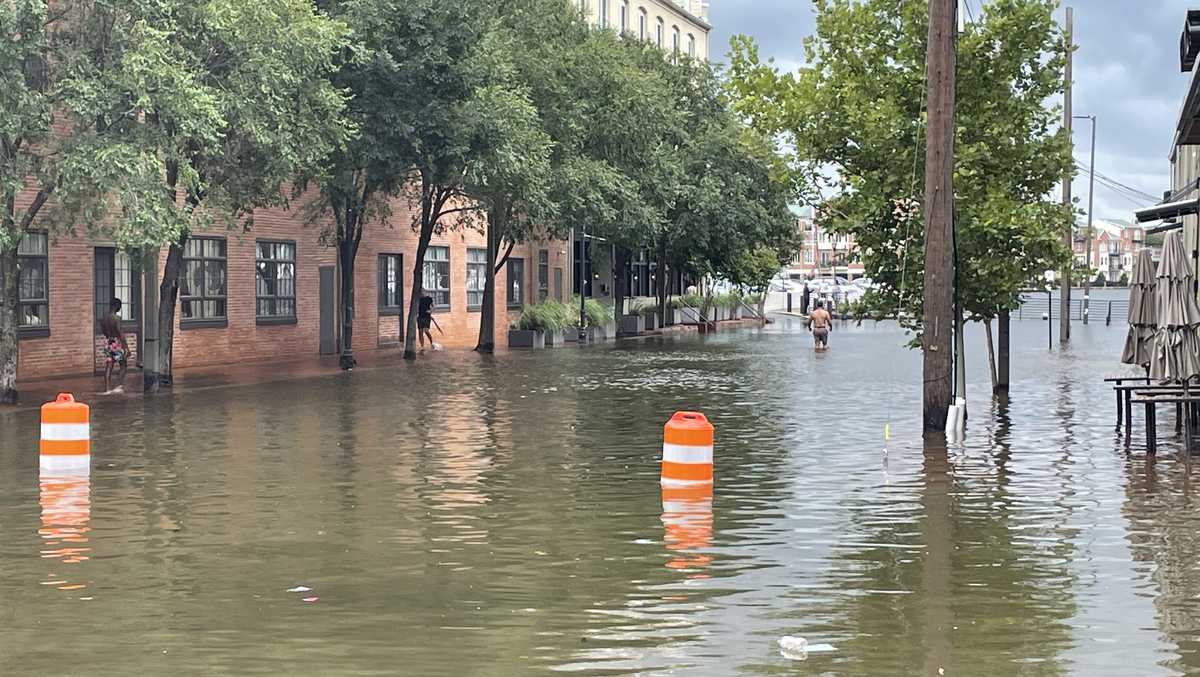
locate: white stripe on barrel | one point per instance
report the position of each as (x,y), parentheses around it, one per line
(678,453)
(66,432)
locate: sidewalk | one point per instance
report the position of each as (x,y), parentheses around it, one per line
(90,388)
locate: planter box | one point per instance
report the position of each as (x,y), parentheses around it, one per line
(526,338)
(557,339)
(651,321)
(631,325)
(687,316)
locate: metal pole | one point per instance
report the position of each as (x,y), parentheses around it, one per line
(583,280)
(1064,334)
(1049,319)
(1087,282)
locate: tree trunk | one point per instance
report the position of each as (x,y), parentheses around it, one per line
(487,314)
(151,373)
(938,311)
(991,355)
(661,283)
(619,263)
(1002,378)
(418,280)
(10,319)
(168,295)
(346,256)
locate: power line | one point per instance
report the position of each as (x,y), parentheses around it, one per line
(1115,183)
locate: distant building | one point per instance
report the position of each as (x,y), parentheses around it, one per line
(1115,243)
(823,253)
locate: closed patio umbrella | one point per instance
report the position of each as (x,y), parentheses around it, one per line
(1143,322)
(1176,351)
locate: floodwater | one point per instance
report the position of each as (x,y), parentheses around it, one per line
(502,516)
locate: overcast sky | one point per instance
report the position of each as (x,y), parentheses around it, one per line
(1126,74)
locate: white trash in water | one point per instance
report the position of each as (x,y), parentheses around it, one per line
(798,648)
(299,588)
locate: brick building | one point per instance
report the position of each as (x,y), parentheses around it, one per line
(268,293)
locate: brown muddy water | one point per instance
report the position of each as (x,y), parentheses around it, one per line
(502,516)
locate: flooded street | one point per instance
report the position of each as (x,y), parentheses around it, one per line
(502,516)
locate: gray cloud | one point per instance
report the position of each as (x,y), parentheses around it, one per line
(1126,74)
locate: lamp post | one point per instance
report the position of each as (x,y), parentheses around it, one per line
(1087,247)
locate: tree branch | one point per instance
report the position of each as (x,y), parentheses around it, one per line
(39,201)
(504,259)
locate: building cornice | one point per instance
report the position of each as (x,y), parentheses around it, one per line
(683,13)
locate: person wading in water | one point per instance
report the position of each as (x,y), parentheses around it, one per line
(116,349)
(820,323)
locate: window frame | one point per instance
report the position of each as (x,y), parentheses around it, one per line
(381,305)
(33,330)
(266,320)
(660,30)
(205,322)
(691,45)
(482,280)
(543,274)
(437,307)
(101,301)
(623,17)
(676,41)
(602,13)
(518,279)
(643,24)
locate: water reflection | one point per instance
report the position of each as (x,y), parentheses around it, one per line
(504,516)
(65,500)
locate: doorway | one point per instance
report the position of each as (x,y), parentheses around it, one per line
(328,341)
(114,276)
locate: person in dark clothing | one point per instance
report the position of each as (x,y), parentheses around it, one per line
(424,320)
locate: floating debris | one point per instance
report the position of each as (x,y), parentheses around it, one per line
(299,588)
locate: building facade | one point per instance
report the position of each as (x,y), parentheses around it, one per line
(269,293)
(675,26)
(823,253)
(1114,246)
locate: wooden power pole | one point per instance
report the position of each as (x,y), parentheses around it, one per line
(1064,311)
(938,310)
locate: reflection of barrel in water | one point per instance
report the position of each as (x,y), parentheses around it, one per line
(687,523)
(66,513)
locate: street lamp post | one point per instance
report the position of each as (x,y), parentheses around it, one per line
(1087,247)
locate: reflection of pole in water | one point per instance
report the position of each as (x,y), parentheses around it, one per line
(687,523)
(936,534)
(66,514)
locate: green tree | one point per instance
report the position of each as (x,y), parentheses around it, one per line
(755,270)
(857,109)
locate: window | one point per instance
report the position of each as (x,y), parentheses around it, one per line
(543,274)
(202,288)
(623,16)
(558,284)
(642,25)
(658,32)
(33,289)
(602,15)
(808,255)
(275,280)
(391,289)
(675,40)
(116,278)
(516,282)
(691,45)
(476,277)
(435,276)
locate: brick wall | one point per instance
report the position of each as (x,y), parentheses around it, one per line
(70,348)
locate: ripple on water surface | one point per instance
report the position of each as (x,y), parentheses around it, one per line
(502,516)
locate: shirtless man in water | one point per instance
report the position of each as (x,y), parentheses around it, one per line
(116,349)
(820,324)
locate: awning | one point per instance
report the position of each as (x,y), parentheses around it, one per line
(1164,227)
(1167,210)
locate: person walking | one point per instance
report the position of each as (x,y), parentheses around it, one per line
(820,323)
(116,348)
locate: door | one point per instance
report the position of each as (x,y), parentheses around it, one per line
(328,342)
(114,276)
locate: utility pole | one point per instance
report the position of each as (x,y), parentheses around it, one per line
(1064,315)
(938,307)
(1087,247)
(151,369)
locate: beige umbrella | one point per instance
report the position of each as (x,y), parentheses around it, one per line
(1175,355)
(1143,323)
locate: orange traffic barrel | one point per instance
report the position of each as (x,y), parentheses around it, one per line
(687,450)
(66,444)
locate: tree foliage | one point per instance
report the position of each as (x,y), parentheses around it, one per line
(854,116)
